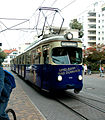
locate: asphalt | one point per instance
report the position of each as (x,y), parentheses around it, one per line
(22,105)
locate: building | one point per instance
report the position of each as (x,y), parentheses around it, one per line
(101,26)
(10,55)
(93,21)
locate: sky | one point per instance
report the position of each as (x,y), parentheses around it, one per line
(27,9)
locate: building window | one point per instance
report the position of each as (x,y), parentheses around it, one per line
(102,38)
(99,21)
(11,56)
(102,32)
(103,9)
(98,26)
(102,26)
(99,38)
(102,21)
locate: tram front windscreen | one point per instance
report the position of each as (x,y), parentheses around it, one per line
(67,55)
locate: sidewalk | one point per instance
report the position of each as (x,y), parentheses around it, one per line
(23,107)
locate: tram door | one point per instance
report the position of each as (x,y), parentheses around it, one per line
(45,66)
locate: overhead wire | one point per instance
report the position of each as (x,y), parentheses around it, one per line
(11,28)
(12,19)
(6,39)
(85,9)
(14,25)
(26,20)
(64,6)
(68,4)
(3,24)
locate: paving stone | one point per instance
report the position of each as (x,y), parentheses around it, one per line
(22,106)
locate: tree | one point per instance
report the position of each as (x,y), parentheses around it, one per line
(76,25)
(94,57)
(2,56)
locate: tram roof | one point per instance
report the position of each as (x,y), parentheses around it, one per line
(49,39)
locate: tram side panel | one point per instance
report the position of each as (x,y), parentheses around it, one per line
(33,73)
(40,75)
(46,82)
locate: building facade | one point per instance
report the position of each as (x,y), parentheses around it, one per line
(93,21)
(101,26)
(10,55)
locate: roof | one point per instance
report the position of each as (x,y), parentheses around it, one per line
(9,51)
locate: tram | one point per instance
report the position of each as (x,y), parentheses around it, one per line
(52,63)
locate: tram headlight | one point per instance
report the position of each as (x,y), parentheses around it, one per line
(80,77)
(68,36)
(59,78)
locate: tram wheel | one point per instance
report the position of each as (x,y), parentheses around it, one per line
(76,91)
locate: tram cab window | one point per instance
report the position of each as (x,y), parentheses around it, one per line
(67,55)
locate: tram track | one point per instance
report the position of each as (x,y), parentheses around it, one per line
(91,99)
(80,105)
(71,109)
(87,103)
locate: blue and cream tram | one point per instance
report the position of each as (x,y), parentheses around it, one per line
(53,63)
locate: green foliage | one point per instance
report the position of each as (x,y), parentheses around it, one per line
(95,66)
(2,56)
(93,58)
(76,25)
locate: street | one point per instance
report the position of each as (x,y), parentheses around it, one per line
(94,84)
(52,110)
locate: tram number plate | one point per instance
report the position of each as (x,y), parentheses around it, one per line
(69,44)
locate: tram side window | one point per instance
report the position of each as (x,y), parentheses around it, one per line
(13,62)
(17,61)
(37,58)
(20,60)
(33,56)
(46,56)
(23,59)
(28,58)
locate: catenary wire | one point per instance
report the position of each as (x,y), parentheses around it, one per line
(13,19)
(14,25)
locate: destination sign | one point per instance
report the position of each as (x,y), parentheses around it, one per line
(69,44)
